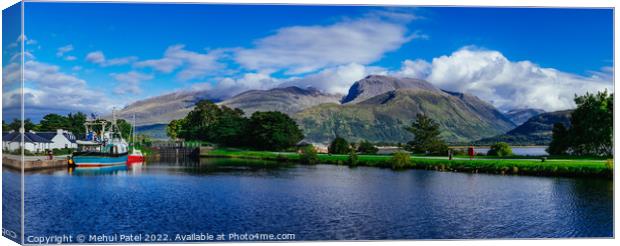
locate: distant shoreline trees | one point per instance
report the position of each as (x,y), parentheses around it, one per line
(591,130)
(229,127)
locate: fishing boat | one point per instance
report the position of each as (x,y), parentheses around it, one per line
(103,145)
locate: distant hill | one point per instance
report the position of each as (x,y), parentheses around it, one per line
(155,131)
(288,100)
(162,109)
(377,109)
(535,131)
(382,118)
(374,85)
(520,116)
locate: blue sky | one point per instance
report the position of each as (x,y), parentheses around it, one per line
(119,53)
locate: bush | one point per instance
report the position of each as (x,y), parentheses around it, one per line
(63,151)
(352,160)
(339,146)
(368,148)
(400,160)
(500,149)
(309,155)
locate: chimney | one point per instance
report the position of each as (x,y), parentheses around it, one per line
(59,131)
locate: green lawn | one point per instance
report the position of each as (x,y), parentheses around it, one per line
(551,167)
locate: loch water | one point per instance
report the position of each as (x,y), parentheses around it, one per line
(314,202)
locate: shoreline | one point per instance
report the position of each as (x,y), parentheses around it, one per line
(529,167)
(14,162)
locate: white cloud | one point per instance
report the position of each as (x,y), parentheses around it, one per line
(302,49)
(47,89)
(95,57)
(64,49)
(508,84)
(335,80)
(193,65)
(418,69)
(130,82)
(70,58)
(227,87)
(99,58)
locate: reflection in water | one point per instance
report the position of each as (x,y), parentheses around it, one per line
(320,202)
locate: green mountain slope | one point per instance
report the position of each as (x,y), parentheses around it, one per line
(382,118)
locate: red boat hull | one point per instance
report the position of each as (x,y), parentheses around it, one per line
(135,158)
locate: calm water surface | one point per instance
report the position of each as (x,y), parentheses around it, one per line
(322,202)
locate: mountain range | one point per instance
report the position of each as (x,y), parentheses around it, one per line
(520,116)
(380,113)
(288,100)
(537,130)
(376,108)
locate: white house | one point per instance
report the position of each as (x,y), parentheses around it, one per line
(11,141)
(60,139)
(38,142)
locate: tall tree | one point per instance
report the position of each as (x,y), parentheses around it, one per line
(273,131)
(592,124)
(560,141)
(426,136)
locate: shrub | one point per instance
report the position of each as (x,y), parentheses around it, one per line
(400,160)
(309,155)
(339,146)
(63,151)
(609,164)
(366,147)
(500,149)
(352,160)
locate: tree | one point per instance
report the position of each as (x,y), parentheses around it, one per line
(76,123)
(16,124)
(339,146)
(426,136)
(229,128)
(51,122)
(368,148)
(124,127)
(591,131)
(560,140)
(200,120)
(174,128)
(5,126)
(500,149)
(592,125)
(272,131)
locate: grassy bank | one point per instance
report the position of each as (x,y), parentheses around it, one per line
(552,167)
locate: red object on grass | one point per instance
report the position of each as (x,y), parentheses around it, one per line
(471,152)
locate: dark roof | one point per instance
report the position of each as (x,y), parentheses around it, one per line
(47,135)
(51,135)
(70,136)
(29,137)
